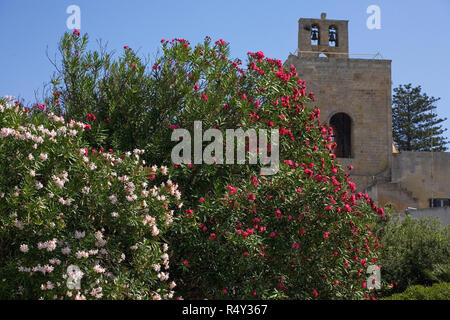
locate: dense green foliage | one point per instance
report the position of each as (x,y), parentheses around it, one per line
(415,252)
(438,291)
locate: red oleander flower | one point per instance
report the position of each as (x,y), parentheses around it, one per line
(259,55)
(220,42)
(380,211)
(278,214)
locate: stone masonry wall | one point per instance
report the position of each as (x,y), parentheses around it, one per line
(425,174)
(361,88)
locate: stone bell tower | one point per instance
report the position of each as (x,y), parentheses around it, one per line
(354,96)
(329,37)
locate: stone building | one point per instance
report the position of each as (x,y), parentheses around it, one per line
(354,96)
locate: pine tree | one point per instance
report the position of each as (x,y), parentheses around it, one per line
(415,125)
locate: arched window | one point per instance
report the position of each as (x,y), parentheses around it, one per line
(342,132)
(332,37)
(315,35)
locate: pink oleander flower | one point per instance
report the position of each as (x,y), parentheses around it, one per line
(79,234)
(99,269)
(155,230)
(113,199)
(82,254)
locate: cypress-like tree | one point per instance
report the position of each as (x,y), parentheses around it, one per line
(415,125)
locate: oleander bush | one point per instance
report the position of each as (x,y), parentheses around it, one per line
(304,233)
(71,211)
(438,291)
(75,222)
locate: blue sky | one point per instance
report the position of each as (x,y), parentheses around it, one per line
(414,34)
